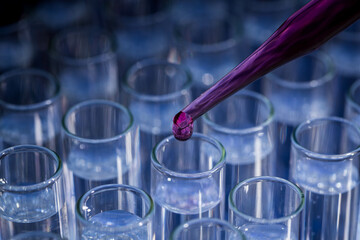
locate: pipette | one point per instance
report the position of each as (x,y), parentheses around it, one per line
(302,32)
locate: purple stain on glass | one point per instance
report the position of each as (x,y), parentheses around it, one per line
(302,32)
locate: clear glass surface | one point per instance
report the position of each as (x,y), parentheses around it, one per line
(142,29)
(209,46)
(299,90)
(84,61)
(154,91)
(47,18)
(55,15)
(16,49)
(187,9)
(187,182)
(32,193)
(352,113)
(30,109)
(325,164)
(352,104)
(244,124)
(37,236)
(101,145)
(262,17)
(266,208)
(207,229)
(344,49)
(115,212)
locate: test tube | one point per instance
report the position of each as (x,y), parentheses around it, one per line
(207,229)
(101,145)
(344,49)
(47,18)
(187,182)
(244,124)
(352,113)
(325,156)
(32,193)
(16,49)
(299,90)
(267,207)
(84,60)
(261,18)
(30,109)
(154,90)
(352,104)
(54,15)
(142,29)
(209,46)
(115,211)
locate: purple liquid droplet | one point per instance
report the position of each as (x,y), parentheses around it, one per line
(182,126)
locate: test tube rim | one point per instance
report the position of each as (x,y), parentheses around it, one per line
(321,156)
(351,93)
(294,214)
(37,186)
(185,89)
(269,120)
(108,55)
(313,83)
(217,221)
(109,187)
(225,45)
(35,106)
(189,176)
(125,131)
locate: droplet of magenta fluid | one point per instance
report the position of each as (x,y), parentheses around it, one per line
(182,126)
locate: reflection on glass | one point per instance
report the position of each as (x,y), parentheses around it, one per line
(154,91)
(187,181)
(325,164)
(30,109)
(84,60)
(244,124)
(33,192)
(115,211)
(267,208)
(299,90)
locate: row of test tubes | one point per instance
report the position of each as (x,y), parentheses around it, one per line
(88,90)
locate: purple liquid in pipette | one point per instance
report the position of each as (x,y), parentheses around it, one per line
(302,32)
